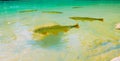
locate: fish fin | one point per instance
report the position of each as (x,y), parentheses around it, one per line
(55,33)
(66,30)
(83,20)
(117,28)
(102,20)
(48,25)
(77,25)
(38,36)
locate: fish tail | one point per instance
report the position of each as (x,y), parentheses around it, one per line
(77,25)
(101,19)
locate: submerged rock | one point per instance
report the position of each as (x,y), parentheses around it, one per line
(117,26)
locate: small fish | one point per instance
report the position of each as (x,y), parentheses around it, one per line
(75,7)
(54,29)
(52,12)
(27,11)
(86,18)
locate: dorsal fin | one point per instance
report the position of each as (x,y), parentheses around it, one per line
(45,25)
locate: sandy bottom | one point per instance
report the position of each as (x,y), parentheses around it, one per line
(93,41)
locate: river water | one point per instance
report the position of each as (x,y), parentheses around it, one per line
(93,41)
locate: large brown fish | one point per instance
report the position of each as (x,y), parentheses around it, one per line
(54,29)
(40,32)
(86,19)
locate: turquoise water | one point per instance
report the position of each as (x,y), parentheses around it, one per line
(93,41)
(13,6)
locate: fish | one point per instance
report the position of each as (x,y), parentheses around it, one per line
(75,7)
(27,11)
(55,29)
(86,19)
(52,12)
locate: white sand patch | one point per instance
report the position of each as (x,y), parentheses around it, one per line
(117,26)
(116,59)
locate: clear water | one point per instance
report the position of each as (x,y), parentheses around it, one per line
(93,41)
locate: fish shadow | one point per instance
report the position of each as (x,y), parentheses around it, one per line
(51,41)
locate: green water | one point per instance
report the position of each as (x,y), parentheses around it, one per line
(93,41)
